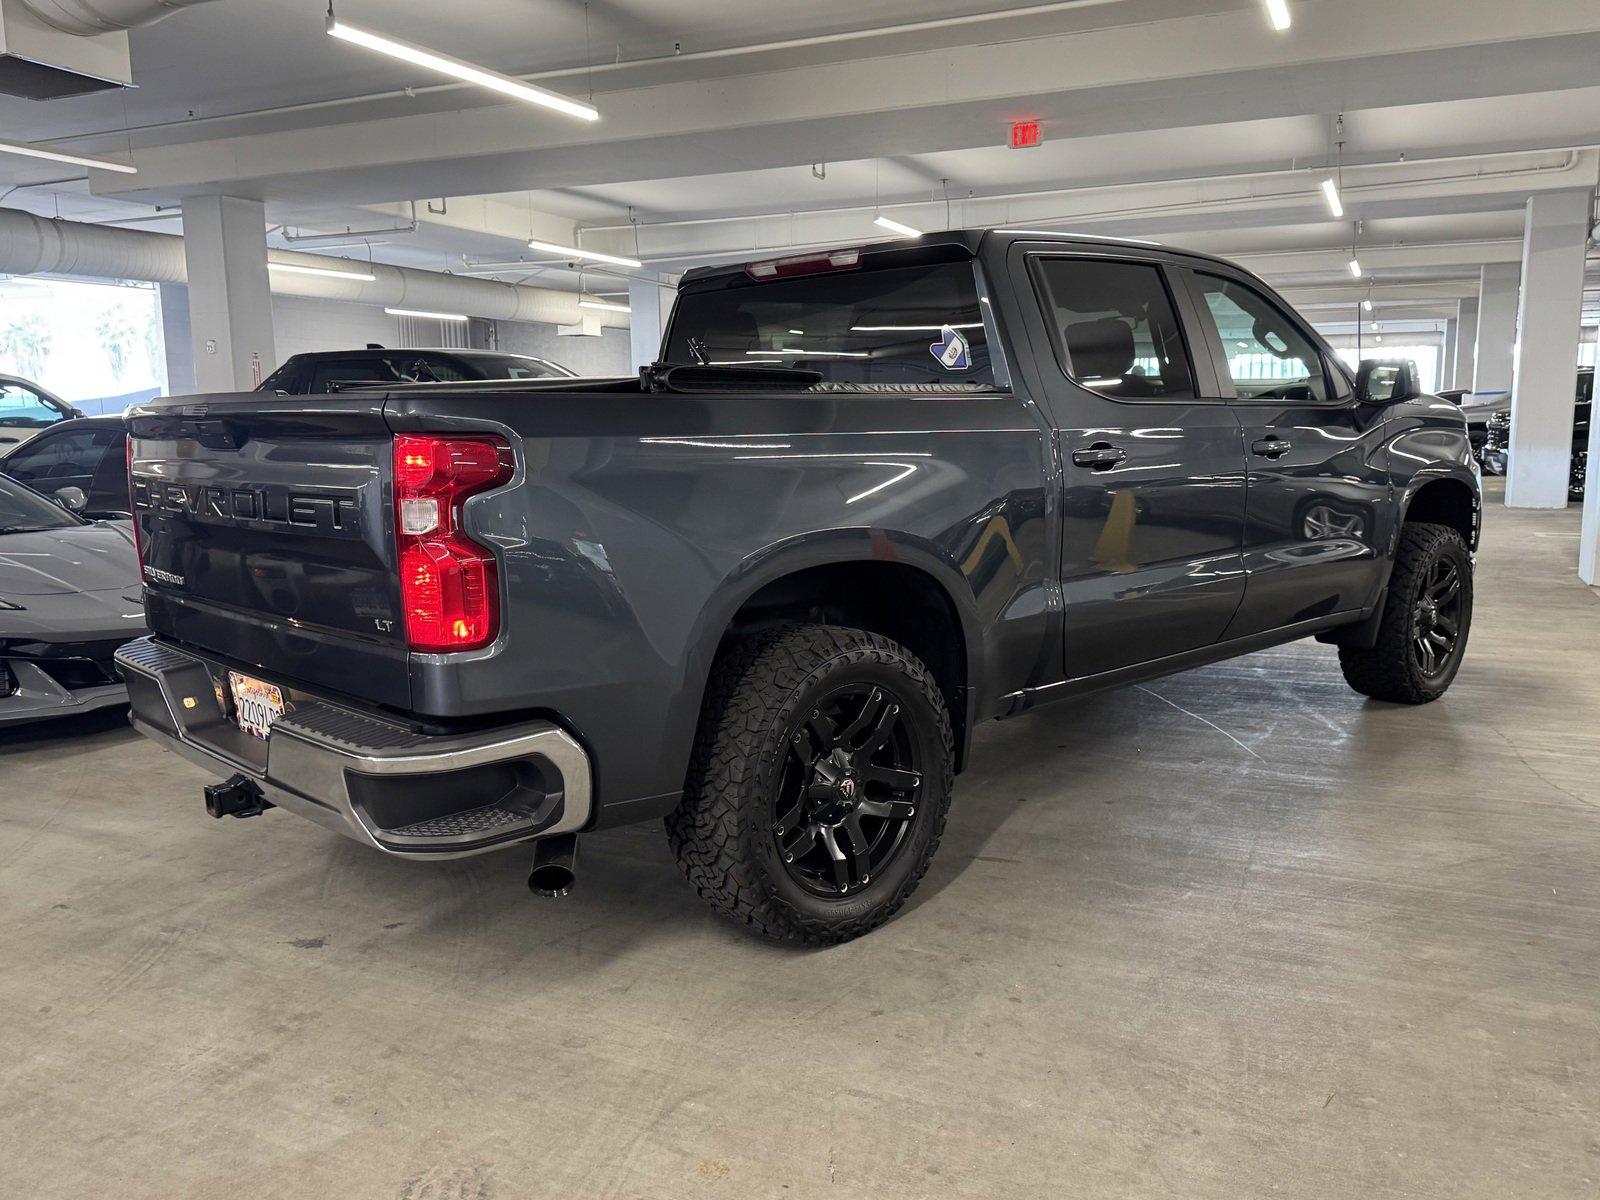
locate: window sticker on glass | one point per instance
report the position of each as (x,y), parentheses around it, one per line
(951,349)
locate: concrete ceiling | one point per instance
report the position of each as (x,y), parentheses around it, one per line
(731,131)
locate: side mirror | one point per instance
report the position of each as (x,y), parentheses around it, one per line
(1386,381)
(72,499)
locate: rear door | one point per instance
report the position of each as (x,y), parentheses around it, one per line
(1152,489)
(1317,462)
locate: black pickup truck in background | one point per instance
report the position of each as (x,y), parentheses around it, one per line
(869,498)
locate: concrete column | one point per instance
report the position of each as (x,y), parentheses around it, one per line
(1554,239)
(652,306)
(230,298)
(1447,358)
(1497,329)
(176,342)
(1467,345)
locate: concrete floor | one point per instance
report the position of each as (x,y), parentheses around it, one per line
(1236,934)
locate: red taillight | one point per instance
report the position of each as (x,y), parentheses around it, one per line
(138,535)
(448,584)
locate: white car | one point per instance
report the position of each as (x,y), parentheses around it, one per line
(26,408)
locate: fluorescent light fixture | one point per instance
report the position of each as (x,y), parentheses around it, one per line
(604,306)
(1278,13)
(1367,305)
(330,272)
(798,332)
(591,255)
(1355,267)
(1330,192)
(456,69)
(75,160)
(425,316)
(894,226)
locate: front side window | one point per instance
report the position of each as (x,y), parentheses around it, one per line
(1268,357)
(908,325)
(24,408)
(1118,334)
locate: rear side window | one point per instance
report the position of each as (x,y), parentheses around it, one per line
(908,325)
(1115,327)
(1268,356)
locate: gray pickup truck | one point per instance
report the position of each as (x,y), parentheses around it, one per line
(868,498)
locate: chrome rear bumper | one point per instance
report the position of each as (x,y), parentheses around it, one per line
(409,794)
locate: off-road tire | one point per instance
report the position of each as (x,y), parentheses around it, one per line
(760,689)
(1389,670)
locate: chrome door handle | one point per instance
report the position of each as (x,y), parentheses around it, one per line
(1270,447)
(1101,456)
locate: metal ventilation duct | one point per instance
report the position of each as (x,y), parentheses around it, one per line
(30,244)
(55,48)
(86,18)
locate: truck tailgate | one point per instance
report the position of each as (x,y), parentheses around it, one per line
(267,537)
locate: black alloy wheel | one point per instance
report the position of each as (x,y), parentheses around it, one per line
(1437,633)
(848,791)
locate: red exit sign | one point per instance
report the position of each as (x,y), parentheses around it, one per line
(1024,134)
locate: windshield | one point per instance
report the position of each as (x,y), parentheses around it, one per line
(24,511)
(908,325)
(515,366)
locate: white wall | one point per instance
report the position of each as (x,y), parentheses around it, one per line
(300,326)
(608,354)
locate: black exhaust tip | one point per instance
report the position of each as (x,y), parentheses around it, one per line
(553,872)
(238,797)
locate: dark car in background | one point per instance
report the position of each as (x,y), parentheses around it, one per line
(69,597)
(336,370)
(1498,440)
(87,454)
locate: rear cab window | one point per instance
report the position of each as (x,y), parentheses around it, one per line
(908,325)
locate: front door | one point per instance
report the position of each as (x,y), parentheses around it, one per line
(1316,460)
(1152,478)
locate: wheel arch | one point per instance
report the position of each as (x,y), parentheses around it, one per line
(892,584)
(1445,500)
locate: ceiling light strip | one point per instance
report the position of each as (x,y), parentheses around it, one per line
(330,272)
(423,315)
(604,306)
(894,226)
(75,160)
(590,255)
(457,69)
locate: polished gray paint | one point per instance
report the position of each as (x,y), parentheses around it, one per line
(638,524)
(64,588)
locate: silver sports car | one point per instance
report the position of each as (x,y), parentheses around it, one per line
(69,596)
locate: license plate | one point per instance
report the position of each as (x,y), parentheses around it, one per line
(256,705)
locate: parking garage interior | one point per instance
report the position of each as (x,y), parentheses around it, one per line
(1235,931)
